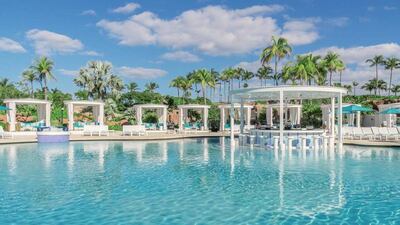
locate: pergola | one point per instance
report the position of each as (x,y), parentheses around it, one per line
(183,112)
(242,108)
(292,112)
(286,93)
(98,111)
(43,109)
(160,109)
(390,119)
(327,121)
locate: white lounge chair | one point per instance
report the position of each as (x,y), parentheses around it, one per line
(393,132)
(133,130)
(367,133)
(95,130)
(103,130)
(348,132)
(357,132)
(4,134)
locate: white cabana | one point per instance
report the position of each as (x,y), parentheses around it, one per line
(286,93)
(388,120)
(292,113)
(326,112)
(43,110)
(183,113)
(245,111)
(98,111)
(160,109)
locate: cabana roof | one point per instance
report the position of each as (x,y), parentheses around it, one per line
(150,106)
(26,101)
(83,102)
(193,106)
(289,92)
(285,106)
(235,105)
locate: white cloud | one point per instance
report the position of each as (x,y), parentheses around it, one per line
(47,42)
(250,66)
(128,8)
(69,72)
(213,30)
(92,53)
(140,72)
(388,8)
(89,12)
(8,45)
(182,56)
(358,54)
(338,21)
(300,32)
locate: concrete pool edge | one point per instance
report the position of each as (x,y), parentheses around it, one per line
(116,137)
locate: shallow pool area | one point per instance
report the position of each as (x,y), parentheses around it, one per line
(196,181)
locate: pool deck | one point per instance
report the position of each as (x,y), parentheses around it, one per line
(117,136)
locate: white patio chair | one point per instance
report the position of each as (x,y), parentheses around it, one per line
(394,133)
(103,130)
(367,133)
(128,130)
(4,134)
(357,132)
(139,130)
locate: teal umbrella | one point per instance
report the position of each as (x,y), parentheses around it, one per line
(4,108)
(355,108)
(391,111)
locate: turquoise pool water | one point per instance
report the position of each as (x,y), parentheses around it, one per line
(199,181)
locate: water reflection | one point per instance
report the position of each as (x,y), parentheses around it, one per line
(98,148)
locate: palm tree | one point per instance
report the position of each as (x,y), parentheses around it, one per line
(341,67)
(29,76)
(279,49)
(332,63)
(381,85)
(98,80)
(263,73)
(151,87)
(369,86)
(355,84)
(43,70)
(238,74)
(376,61)
(206,79)
(246,76)
(132,87)
(396,89)
(307,69)
(288,73)
(186,86)
(224,77)
(177,83)
(391,64)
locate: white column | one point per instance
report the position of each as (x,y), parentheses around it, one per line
(48,114)
(180,119)
(332,122)
(281,119)
(269,113)
(248,117)
(139,115)
(11,114)
(340,122)
(298,115)
(358,119)
(241,116)
(165,109)
(222,117)
(232,122)
(101,114)
(205,119)
(70,111)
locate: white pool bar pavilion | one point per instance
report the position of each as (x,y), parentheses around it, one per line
(281,138)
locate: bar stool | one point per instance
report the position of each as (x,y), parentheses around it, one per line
(289,143)
(325,140)
(316,140)
(276,142)
(303,143)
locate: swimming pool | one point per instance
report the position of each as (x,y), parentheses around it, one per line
(195,181)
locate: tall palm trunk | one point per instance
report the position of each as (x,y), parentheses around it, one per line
(330,78)
(220,91)
(340,78)
(178,94)
(376,71)
(276,72)
(390,80)
(45,88)
(31,89)
(204,93)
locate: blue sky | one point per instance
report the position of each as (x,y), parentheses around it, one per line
(158,40)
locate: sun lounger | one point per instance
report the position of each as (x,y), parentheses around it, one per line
(4,134)
(133,130)
(103,130)
(95,130)
(393,132)
(348,132)
(367,133)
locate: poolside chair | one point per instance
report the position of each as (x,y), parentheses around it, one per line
(367,133)
(103,130)
(393,132)
(348,132)
(133,130)
(377,133)
(4,134)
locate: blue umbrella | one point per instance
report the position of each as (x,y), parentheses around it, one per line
(4,108)
(355,108)
(391,111)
